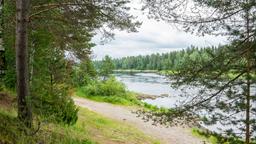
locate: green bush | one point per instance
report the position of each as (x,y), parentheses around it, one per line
(109,87)
(56,106)
(111,91)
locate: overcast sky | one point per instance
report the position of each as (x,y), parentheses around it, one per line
(153,37)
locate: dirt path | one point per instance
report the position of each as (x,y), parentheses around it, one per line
(172,135)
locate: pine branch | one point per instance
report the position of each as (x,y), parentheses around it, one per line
(215,94)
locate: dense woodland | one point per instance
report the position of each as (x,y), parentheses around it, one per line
(165,61)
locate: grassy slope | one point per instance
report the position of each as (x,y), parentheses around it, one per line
(91,128)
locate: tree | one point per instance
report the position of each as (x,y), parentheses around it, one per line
(50,29)
(234,19)
(107,67)
(22,12)
(68,30)
(84,72)
(165,61)
(2,59)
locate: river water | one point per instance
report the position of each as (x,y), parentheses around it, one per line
(154,84)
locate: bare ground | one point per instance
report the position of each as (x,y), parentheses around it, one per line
(171,135)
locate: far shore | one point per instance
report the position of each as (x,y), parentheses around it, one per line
(135,71)
(160,72)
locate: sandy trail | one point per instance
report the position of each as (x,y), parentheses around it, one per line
(171,135)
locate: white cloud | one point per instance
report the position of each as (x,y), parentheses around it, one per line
(153,37)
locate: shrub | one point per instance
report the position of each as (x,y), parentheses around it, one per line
(56,106)
(110,90)
(109,87)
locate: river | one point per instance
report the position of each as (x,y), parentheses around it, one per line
(154,84)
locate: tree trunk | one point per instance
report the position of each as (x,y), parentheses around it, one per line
(24,112)
(1,16)
(247,120)
(2,62)
(1,23)
(248,82)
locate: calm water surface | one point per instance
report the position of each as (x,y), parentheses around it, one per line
(154,84)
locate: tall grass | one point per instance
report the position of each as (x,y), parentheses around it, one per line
(10,132)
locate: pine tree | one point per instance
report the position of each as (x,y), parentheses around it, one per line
(106,68)
(22,12)
(53,28)
(235,19)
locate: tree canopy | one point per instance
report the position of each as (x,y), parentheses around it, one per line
(54,31)
(166,61)
(236,20)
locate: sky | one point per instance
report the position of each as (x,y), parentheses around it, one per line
(152,37)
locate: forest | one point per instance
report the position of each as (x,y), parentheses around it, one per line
(166,61)
(52,91)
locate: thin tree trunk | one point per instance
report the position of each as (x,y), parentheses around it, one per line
(24,112)
(31,62)
(1,24)
(248,82)
(248,98)
(247,134)
(2,58)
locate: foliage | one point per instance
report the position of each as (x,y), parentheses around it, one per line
(56,107)
(8,44)
(165,61)
(49,82)
(212,17)
(106,88)
(106,68)
(218,100)
(215,138)
(227,102)
(110,91)
(83,73)
(55,30)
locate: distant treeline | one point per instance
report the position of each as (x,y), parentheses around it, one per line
(167,61)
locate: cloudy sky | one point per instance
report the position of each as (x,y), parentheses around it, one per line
(153,37)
